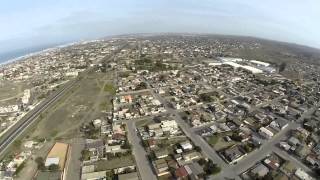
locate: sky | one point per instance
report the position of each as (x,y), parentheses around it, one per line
(25,23)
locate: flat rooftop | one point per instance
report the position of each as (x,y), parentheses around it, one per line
(59,150)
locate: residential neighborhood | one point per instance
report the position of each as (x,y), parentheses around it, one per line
(171,107)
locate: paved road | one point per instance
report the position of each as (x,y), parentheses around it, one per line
(232,171)
(14,132)
(140,154)
(73,166)
(267,148)
(11,135)
(196,139)
(296,162)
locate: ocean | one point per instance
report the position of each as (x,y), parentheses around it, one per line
(7,57)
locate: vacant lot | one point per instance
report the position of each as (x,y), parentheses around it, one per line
(122,161)
(85,102)
(218,142)
(11,91)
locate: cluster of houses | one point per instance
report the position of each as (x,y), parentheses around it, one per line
(276,167)
(11,166)
(303,145)
(165,128)
(130,82)
(177,159)
(110,143)
(204,114)
(8,170)
(134,106)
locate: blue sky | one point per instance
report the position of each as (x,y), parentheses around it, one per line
(25,24)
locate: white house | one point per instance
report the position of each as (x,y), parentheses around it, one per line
(265,132)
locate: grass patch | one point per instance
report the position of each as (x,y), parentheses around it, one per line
(104,105)
(109,88)
(115,163)
(143,122)
(212,140)
(19,169)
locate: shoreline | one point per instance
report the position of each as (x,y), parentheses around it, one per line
(19,58)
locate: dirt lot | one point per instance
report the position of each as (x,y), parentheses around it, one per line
(11,91)
(115,162)
(86,101)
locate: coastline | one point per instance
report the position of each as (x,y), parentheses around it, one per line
(36,52)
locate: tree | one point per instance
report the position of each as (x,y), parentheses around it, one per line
(40,163)
(297,116)
(85,154)
(211,168)
(317,171)
(162,77)
(142,85)
(202,161)
(247,148)
(268,176)
(53,167)
(282,66)
(205,97)
(197,148)
(126,145)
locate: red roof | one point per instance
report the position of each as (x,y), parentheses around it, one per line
(151,142)
(118,136)
(181,172)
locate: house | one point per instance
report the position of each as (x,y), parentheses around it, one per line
(191,156)
(285,145)
(243,136)
(177,157)
(233,154)
(161,167)
(113,149)
(94,175)
(169,126)
(151,143)
(196,170)
(278,124)
(119,137)
(302,175)
(272,163)
(181,173)
(237,122)
(162,153)
(265,132)
(158,132)
(186,146)
(117,128)
(29,144)
(293,141)
(259,170)
(313,160)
